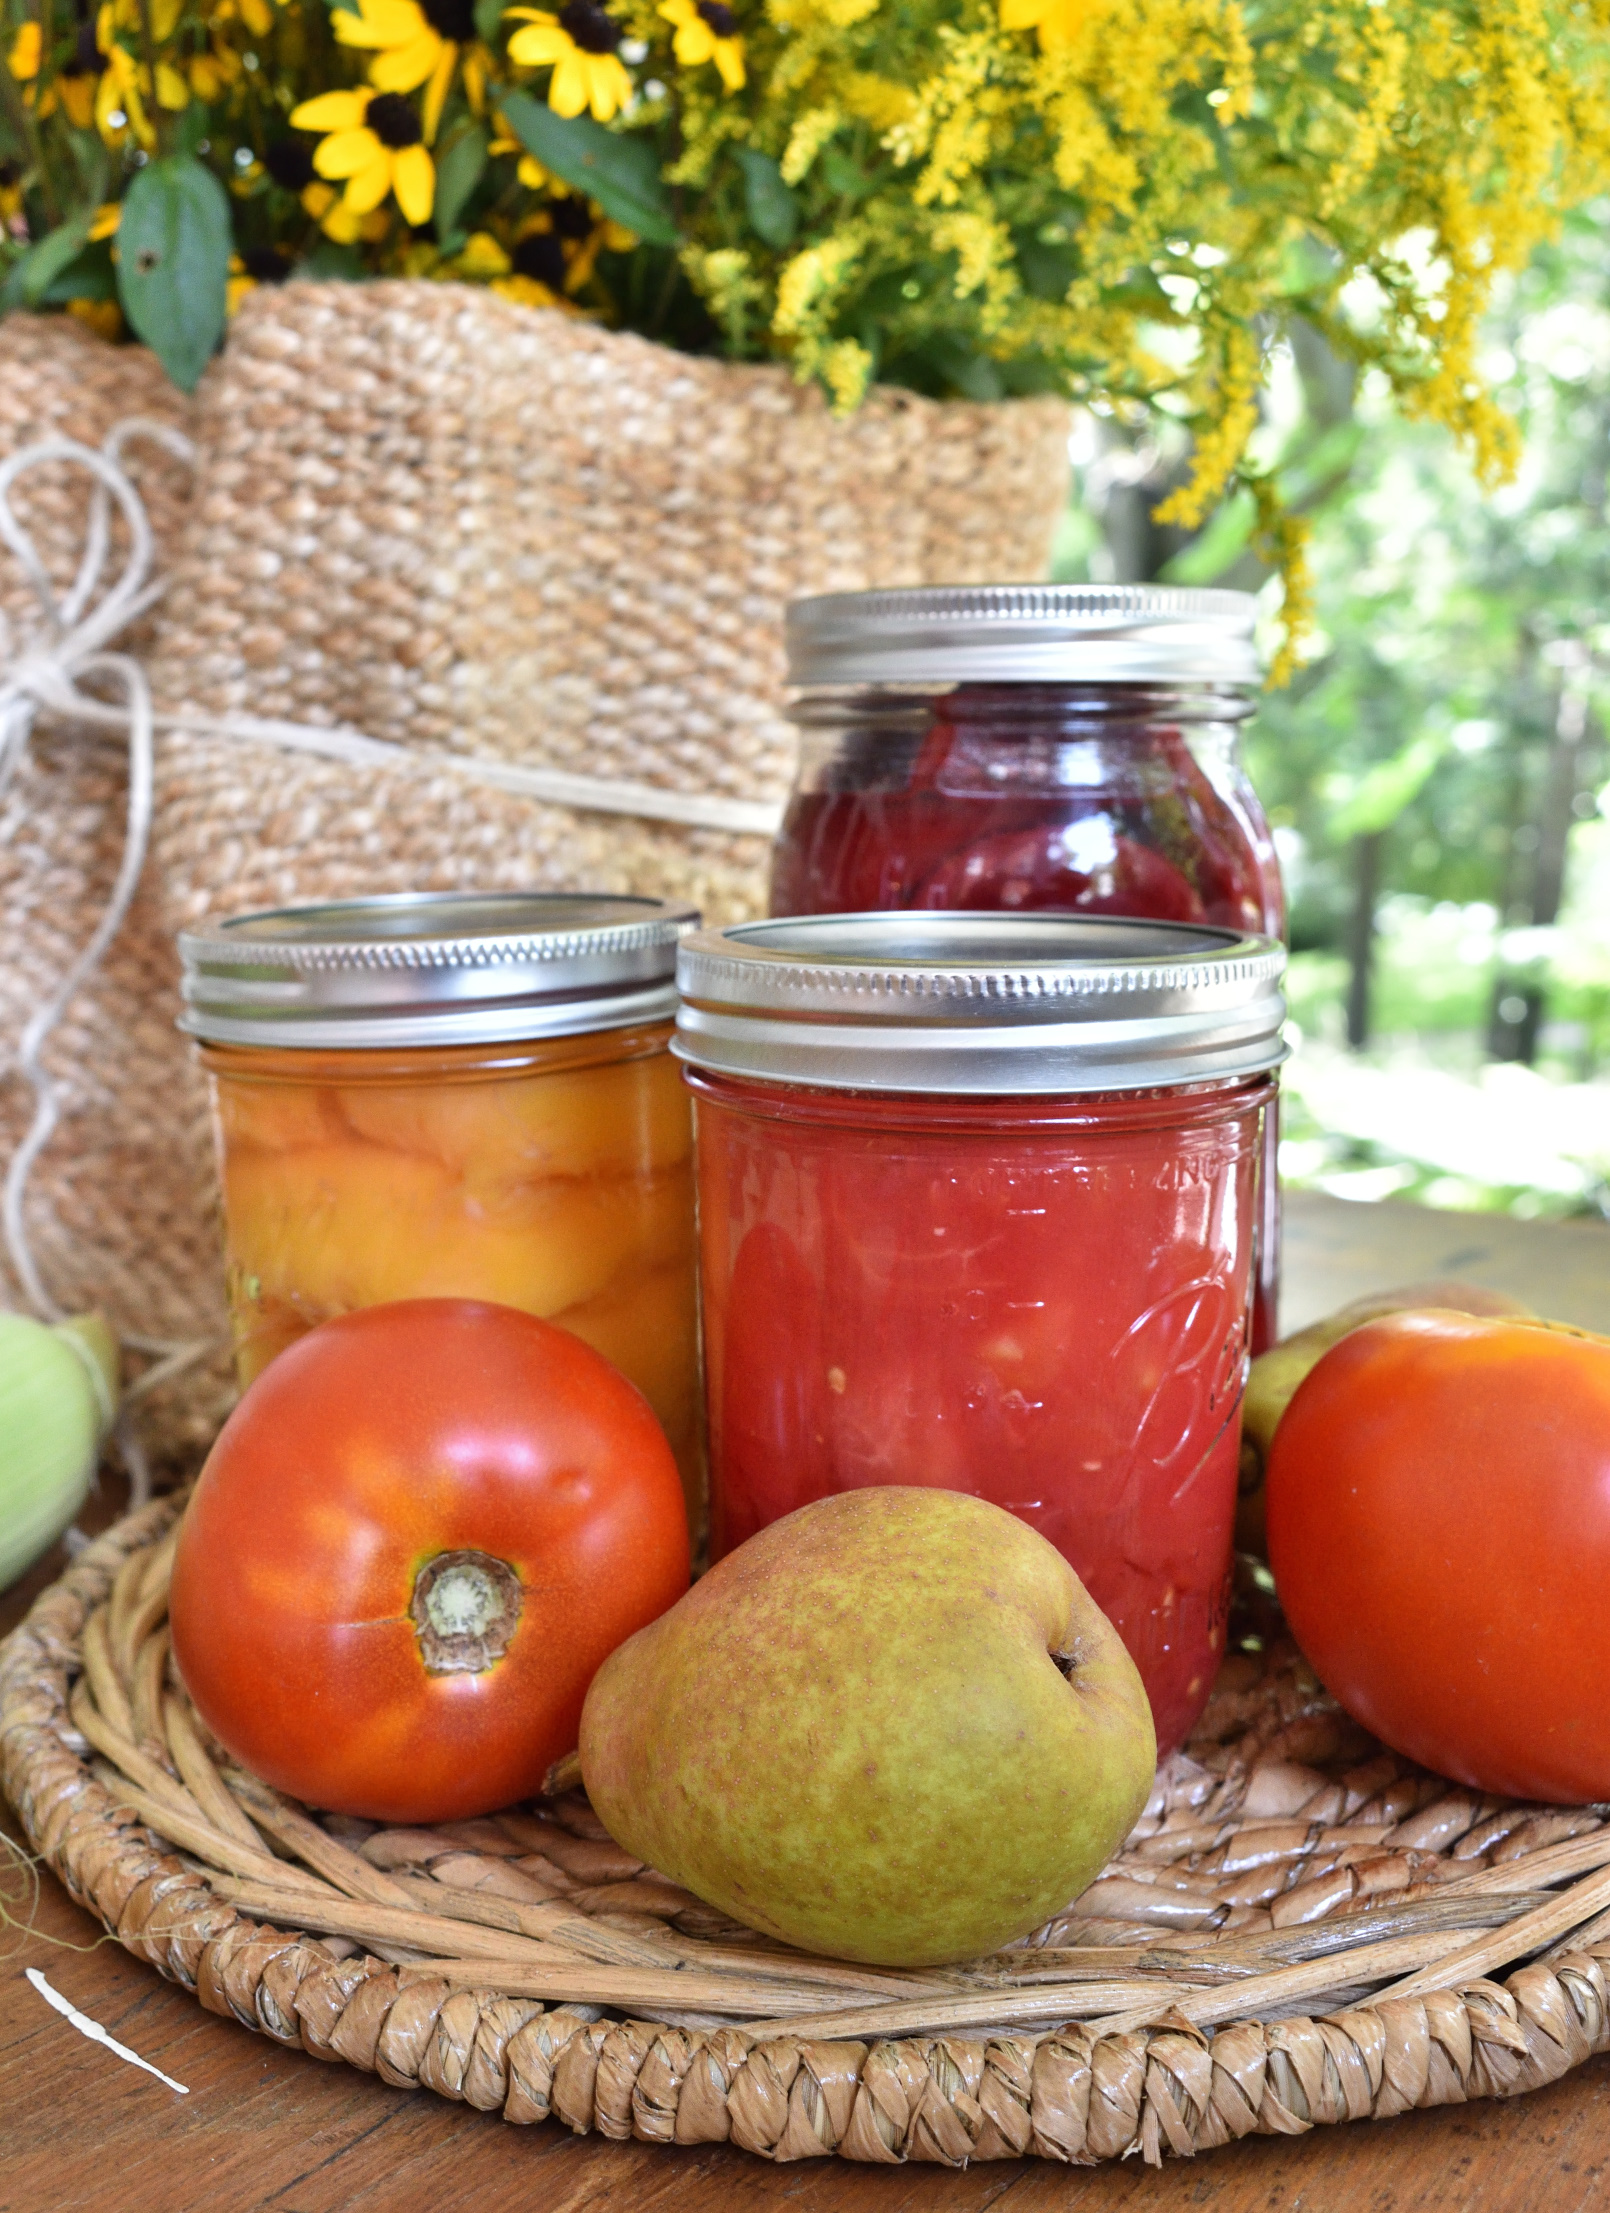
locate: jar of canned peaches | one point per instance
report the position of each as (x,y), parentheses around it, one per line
(459,1095)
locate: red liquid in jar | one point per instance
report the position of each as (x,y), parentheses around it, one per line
(1084,800)
(1042,1302)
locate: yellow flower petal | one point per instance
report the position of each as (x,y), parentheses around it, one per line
(483,257)
(367,187)
(382,23)
(318,199)
(78,98)
(403,67)
(172,91)
(26,47)
(568,87)
(205,82)
(331,111)
(532,174)
(107,217)
(475,80)
(535,15)
(694,43)
(342,225)
(609,88)
(540,44)
(678,11)
(441,78)
(349,154)
(413,179)
(257,16)
(730,63)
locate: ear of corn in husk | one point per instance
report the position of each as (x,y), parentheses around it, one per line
(58,1401)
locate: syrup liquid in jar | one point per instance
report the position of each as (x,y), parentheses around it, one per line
(929,1255)
(458,1098)
(1069,749)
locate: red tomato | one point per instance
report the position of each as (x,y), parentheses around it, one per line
(418,1536)
(1439,1530)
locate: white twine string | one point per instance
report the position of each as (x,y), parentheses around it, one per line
(69,648)
(96,2034)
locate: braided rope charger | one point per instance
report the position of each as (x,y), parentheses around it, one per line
(1301,1930)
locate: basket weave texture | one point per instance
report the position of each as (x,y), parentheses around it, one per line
(1301,1930)
(455,523)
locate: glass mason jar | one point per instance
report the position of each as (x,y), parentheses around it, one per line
(457,1096)
(976,1207)
(1072,748)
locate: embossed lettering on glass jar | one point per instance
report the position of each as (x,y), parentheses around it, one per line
(976,1204)
(1068,748)
(462,1096)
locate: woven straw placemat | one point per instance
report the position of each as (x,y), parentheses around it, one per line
(1300,1931)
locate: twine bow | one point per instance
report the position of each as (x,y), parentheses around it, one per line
(43,676)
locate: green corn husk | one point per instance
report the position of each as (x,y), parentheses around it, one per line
(58,1401)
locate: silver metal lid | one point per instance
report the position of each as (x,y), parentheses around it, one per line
(444,968)
(998,1003)
(1024,633)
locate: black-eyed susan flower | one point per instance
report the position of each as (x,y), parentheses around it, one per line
(580,44)
(75,85)
(415,42)
(707,31)
(375,144)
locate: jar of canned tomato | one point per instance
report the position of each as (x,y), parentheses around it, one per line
(977,1196)
(1068,748)
(457,1096)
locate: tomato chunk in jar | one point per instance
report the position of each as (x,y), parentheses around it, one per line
(1039,1297)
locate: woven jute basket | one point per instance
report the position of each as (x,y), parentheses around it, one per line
(113,1212)
(1301,1930)
(458,525)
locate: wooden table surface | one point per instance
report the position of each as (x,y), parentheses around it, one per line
(263,2128)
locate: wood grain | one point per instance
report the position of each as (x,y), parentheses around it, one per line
(269,2131)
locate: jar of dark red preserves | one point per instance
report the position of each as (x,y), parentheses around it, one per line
(977,1196)
(1069,748)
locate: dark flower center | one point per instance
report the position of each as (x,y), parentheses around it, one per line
(570,218)
(593,31)
(393,121)
(267,264)
(289,162)
(9,173)
(454,19)
(88,60)
(721,20)
(541,256)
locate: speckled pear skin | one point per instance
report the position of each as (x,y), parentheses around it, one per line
(852,1735)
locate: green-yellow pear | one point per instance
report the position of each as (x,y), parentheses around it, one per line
(893,1727)
(1274,1376)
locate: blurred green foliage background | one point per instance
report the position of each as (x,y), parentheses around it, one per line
(1437,771)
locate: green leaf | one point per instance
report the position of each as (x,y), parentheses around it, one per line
(192,125)
(458,172)
(91,276)
(1217,547)
(1380,795)
(620,173)
(173,248)
(772,209)
(488,15)
(41,265)
(330,263)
